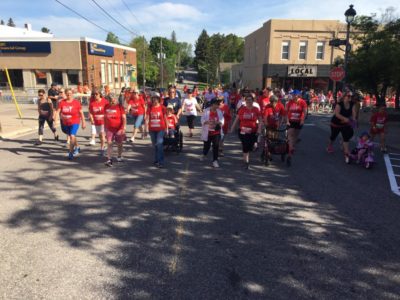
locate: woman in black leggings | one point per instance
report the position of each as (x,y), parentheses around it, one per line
(46,111)
(343,122)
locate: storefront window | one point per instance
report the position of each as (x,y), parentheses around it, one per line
(73,77)
(110,75)
(320,50)
(41,77)
(303,50)
(285,49)
(116,73)
(56,77)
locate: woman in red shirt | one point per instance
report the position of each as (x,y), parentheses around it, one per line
(157,122)
(378,125)
(227,121)
(96,115)
(137,109)
(115,125)
(70,111)
(296,110)
(249,119)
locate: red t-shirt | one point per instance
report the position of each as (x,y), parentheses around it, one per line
(295,110)
(70,112)
(213,120)
(226,112)
(234,98)
(137,106)
(274,114)
(113,116)
(156,118)
(248,119)
(172,120)
(96,108)
(263,102)
(379,119)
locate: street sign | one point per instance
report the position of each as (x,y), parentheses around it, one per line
(337,42)
(337,74)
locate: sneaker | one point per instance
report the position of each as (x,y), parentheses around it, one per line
(346,159)
(38,143)
(289,161)
(203,157)
(160,166)
(120,159)
(215,164)
(70,155)
(329,149)
(246,166)
(109,163)
(221,153)
(77,150)
(132,139)
(92,142)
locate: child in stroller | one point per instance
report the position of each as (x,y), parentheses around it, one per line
(174,138)
(172,121)
(363,153)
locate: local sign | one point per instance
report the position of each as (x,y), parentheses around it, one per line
(302,71)
(25,47)
(337,74)
(102,50)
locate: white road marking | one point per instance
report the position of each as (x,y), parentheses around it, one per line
(392,177)
(394,158)
(394,154)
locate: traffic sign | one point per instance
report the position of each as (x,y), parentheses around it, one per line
(337,74)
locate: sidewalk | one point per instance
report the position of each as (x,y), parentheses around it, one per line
(12,125)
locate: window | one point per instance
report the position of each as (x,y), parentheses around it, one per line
(56,77)
(110,77)
(285,50)
(121,72)
(41,77)
(73,77)
(320,50)
(116,73)
(303,50)
(103,73)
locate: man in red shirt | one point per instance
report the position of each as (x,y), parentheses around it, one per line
(296,110)
(115,125)
(264,99)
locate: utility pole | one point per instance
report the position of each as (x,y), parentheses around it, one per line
(144,64)
(162,67)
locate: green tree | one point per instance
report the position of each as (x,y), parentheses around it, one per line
(374,64)
(45,30)
(173,37)
(145,59)
(112,38)
(233,48)
(169,49)
(1,22)
(11,22)
(201,55)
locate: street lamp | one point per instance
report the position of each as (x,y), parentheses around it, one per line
(124,53)
(350,13)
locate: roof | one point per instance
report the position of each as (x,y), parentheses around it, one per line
(12,32)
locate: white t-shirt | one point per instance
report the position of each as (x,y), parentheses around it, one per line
(189,106)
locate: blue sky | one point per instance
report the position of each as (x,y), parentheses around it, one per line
(187,18)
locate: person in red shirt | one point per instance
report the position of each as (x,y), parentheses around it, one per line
(71,114)
(115,126)
(234,98)
(137,109)
(96,116)
(157,122)
(296,110)
(264,99)
(172,121)
(227,121)
(379,126)
(249,119)
(212,121)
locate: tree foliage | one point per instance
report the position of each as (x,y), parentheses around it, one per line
(11,23)
(2,22)
(112,38)
(374,65)
(45,30)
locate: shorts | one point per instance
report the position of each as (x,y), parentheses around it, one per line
(113,136)
(70,130)
(97,129)
(138,121)
(346,131)
(190,121)
(295,125)
(248,140)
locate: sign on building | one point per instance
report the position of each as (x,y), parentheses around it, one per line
(102,50)
(25,47)
(302,71)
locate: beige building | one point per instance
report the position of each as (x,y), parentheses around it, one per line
(290,53)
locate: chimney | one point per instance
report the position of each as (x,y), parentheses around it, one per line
(28,26)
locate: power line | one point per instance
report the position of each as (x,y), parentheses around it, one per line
(116,21)
(86,19)
(120,14)
(133,15)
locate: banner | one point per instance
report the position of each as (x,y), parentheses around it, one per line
(25,47)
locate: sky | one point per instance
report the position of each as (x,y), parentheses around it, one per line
(186,18)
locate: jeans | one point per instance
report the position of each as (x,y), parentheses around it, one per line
(157,139)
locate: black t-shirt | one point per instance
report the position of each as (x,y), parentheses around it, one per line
(52,93)
(175,102)
(344,112)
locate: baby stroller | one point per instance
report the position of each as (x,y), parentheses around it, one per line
(275,143)
(173,141)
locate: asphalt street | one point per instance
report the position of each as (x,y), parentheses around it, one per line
(320,229)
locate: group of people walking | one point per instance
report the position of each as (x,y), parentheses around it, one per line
(253,116)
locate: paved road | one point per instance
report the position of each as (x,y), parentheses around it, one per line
(71,230)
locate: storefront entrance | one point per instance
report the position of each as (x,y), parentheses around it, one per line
(15,77)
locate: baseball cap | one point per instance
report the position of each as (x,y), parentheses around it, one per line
(295,92)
